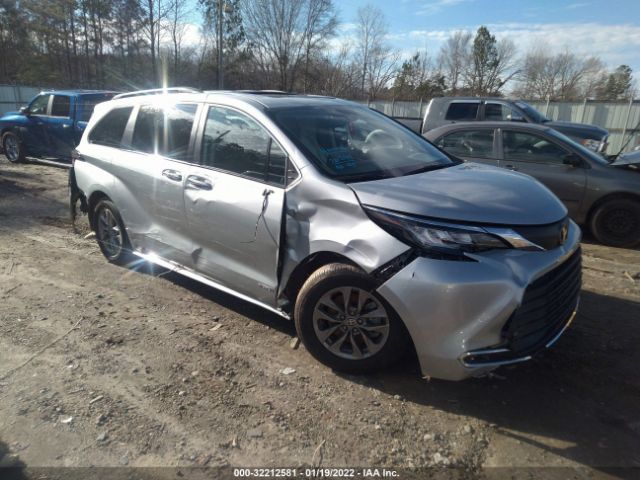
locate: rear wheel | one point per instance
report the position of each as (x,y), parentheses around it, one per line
(617,223)
(13,149)
(345,324)
(111,234)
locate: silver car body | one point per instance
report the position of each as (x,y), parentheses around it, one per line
(253,240)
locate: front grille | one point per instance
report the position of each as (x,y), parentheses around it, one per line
(546,306)
(546,236)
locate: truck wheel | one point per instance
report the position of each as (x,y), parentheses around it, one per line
(617,223)
(13,149)
(345,324)
(111,234)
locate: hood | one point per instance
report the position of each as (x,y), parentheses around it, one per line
(583,130)
(630,158)
(469,192)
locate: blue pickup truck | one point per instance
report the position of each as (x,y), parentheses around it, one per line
(51,125)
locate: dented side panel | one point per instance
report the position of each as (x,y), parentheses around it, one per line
(325,216)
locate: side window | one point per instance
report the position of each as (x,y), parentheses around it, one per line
(148,129)
(468,143)
(61,106)
(234,142)
(497,111)
(179,120)
(462,111)
(39,105)
(164,131)
(529,147)
(109,130)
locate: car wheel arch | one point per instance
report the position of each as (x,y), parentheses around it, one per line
(607,198)
(93,200)
(306,267)
(311,264)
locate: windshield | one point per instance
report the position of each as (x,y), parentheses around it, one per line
(531,112)
(584,152)
(353,143)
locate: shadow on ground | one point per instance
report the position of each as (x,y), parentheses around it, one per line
(578,400)
(11,467)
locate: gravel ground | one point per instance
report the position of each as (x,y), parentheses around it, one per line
(103,366)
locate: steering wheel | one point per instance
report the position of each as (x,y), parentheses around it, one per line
(378,137)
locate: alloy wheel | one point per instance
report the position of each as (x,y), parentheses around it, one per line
(351,323)
(109,233)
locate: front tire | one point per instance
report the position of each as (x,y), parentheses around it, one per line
(111,234)
(617,223)
(345,324)
(12,147)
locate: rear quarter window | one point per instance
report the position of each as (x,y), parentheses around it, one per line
(462,111)
(110,128)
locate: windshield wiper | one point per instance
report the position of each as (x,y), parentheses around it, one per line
(427,168)
(362,177)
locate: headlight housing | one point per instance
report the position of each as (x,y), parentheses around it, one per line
(435,237)
(592,144)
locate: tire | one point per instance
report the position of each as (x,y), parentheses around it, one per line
(111,234)
(617,223)
(345,348)
(12,147)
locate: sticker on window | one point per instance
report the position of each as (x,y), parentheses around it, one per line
(339,158)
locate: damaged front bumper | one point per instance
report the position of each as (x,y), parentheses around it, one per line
(468,317)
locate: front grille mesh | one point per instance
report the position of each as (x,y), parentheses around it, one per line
(546,306)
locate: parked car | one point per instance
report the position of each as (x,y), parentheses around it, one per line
(601,195)
(50,126)
(446,110)
(323,211)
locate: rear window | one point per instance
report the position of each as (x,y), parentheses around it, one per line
(109,130)
(61,106)
(85,106)
(462,111)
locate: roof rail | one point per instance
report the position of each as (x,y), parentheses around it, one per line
(158,91)
(252,92)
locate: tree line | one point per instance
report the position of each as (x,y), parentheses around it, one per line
(291,45)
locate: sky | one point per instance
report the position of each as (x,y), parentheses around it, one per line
(609,29)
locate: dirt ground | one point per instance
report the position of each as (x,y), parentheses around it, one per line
(155,370)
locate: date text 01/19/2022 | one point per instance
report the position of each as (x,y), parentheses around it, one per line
(336,473)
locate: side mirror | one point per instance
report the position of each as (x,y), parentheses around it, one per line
(514,117)
(24,111)
(572,159)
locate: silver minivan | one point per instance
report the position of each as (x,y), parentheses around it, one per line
(372,240)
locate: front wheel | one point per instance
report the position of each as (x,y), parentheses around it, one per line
(617,223)
(13,149)
(111,234)
(345,324)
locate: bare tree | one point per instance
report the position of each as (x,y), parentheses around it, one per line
(153,12)
(177,11)
(283,33)
(320,24)
(454,55)
(378,61)
(561,76)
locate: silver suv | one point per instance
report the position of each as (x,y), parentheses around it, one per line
(371,239)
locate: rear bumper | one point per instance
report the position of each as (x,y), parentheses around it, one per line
(467,318)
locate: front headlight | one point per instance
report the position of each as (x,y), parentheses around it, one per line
(592,144)
(435,237)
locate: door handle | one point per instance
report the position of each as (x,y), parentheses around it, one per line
(199,183)
(174,175)
(511,167)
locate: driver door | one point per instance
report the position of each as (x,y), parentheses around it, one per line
(543,159)
(35,137)
(234,203)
